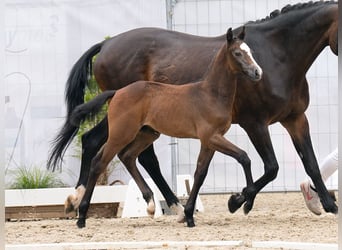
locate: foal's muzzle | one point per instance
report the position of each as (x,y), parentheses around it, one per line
(254,73)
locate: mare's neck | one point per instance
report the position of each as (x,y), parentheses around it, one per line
(298,36)
(220,81)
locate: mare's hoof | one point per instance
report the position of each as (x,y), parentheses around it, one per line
(330,207)
(81,223)
(68,207)
(332,195)
(247,207)
(235,202)
(334,209)
(190,222)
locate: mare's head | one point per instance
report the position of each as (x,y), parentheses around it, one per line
(240,59)
(333,29)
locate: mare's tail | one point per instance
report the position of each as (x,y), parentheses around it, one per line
(74,95)
(89,109)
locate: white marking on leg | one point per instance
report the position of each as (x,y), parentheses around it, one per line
(68,204)
(79,195)
(73,201)
(179,209)
(150,208)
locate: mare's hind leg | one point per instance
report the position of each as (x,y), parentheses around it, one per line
(119,138)
(298,129)
(92,141)
(221,144)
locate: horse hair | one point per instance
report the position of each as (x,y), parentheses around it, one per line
(290,7)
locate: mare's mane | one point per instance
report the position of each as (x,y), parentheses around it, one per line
(290,7)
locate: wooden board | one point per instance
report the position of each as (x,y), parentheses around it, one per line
(48,203)
(98,210)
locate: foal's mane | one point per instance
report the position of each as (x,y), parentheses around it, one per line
(290,7)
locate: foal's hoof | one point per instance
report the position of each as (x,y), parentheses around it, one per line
(81,223)
(181,219)
(235,202)
(151,208)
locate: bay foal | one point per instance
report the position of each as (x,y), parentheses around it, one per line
(140,112)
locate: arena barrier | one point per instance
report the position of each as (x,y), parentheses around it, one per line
(174,245)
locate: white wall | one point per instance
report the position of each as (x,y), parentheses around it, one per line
(43,41)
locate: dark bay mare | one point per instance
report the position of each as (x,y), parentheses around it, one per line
(141,111)
(285,45)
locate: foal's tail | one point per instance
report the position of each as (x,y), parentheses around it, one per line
(90,108)
(74,95)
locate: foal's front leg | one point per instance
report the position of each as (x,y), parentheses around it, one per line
(203,162)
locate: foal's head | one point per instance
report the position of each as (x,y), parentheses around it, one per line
(240,59)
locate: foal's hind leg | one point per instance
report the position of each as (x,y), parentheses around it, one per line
(149,161)
(128,156)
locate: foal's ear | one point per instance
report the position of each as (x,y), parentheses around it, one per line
(229,35)
(241,36)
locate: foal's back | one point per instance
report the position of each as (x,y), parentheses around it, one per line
(169,109)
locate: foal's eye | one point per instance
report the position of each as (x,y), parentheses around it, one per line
(237,54)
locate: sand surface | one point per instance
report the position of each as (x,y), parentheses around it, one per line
(275,216)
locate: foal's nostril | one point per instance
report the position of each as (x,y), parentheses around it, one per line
(258,74)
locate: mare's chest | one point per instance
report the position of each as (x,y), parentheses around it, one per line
(272,99)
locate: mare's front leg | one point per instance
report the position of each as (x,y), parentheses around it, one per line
(92,141)
(298,128)
(221,144)
(260,137)
(203,162)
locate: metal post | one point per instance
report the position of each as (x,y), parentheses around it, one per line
(170,4)
(2,126)
(340,136)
